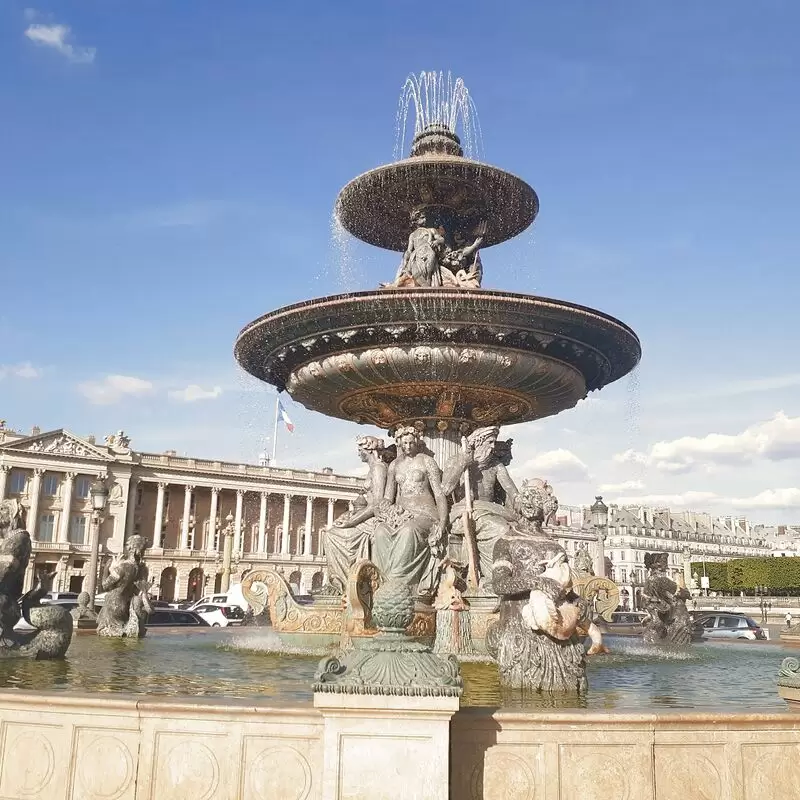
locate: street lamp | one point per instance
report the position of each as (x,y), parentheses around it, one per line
(99,495)
(227,553)
(599,515)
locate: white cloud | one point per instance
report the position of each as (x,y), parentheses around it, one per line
(25,370)
(193,393)
(56,37)
(625,486)
(777,439)
(770,499)
(684,500)
(114,388)
(554,466)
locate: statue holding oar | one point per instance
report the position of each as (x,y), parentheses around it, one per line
(484,493)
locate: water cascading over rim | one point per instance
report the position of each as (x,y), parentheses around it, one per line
(444,358)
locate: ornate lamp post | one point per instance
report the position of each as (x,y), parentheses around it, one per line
(599,512)
(99,495)
(227,554)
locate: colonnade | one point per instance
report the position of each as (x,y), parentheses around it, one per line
(215,525)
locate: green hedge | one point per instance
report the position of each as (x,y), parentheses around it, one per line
(781,574)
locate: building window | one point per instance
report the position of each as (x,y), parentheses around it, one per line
(139,494)
(79,563)
(77,529)
(18,481)
(50,485)
(623,575)
(82,485)
(46,523)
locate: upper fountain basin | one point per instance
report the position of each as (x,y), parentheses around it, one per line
(475,357)
(376,206)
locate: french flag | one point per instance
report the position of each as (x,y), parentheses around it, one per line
(285,417)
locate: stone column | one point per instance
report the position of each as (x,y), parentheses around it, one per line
(212,519)
(600,554)
(159,521)
(307,529)
(130,511)
(32,518)
(66,504)
(687,567)
(262,524)
(331,503)
(4,470)
(237,522)
(187,512)
(287,503)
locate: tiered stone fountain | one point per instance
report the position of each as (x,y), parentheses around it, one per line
(435,357)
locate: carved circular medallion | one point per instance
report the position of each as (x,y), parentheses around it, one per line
(191,768)
(109,771)
(279,772)
(36,753)
(502,774)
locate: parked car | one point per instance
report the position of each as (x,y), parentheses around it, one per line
(623,623)
(171,618)
(52,596)
(728,625)
(220,616)
(233,597)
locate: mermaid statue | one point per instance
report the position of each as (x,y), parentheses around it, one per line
(52,625)
(127,603)
(664,601)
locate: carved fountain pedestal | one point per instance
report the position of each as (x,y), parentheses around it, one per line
(412,691)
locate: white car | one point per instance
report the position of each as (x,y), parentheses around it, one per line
(220,616)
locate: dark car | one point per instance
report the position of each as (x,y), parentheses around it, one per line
(623,623)
(172,618)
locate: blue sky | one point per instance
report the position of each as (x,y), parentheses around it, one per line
(169,170)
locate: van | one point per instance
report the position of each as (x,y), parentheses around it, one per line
(233,597)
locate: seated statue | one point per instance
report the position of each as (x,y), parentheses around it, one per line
(664,601)
(350,537)
(493,494)
(421,265)
(461,265)
(537,639)
(412,519)
(127,603)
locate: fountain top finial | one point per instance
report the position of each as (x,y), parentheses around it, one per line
(436,139)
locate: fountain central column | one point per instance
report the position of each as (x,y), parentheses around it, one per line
(444,444)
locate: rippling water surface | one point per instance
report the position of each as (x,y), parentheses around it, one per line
(242,663)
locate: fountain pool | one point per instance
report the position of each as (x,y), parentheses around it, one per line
(244,664)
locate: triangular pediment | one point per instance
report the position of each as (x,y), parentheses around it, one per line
(58,443)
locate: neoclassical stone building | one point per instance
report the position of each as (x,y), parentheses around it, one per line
(181,505)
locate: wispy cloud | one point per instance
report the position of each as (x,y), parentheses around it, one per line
(25,370)
(625,486)
(192,393)
(57,37)
(113,388)
(554,465)
(776,439)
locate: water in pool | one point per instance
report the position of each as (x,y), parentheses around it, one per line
(241,663)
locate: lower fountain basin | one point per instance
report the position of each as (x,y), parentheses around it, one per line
(468,356)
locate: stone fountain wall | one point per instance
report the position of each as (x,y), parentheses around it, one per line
(57,746)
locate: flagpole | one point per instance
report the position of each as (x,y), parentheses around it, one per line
(275,431)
